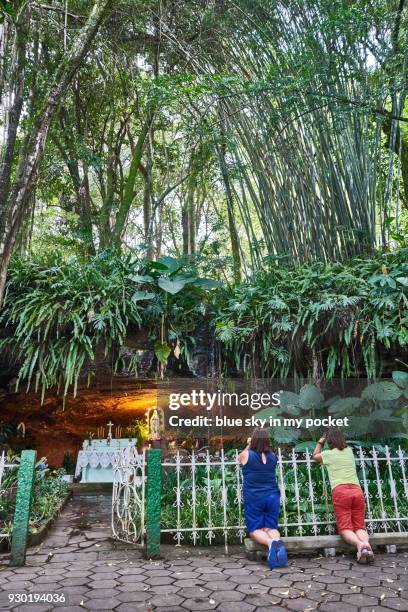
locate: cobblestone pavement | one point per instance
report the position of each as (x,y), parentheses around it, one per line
(78,561)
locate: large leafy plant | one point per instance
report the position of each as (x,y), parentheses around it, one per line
(178,294)
(329,319)
(379,412)
(59,314)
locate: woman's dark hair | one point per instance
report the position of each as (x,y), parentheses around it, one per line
(335,438)
(260,441)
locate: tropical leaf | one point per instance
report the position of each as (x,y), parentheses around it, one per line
(172,285)
(400,378)
(381,391)
(162,351)
(345,406)
(310,398)
(138,296)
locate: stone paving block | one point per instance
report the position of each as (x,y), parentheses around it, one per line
(105,569)
(236,571)
(380,592)
(364,581)
(210,570)
(103,584)
(323,596)
(133,607)
(161,572)
(204,603)
(191,582)
(262,600)
(301,577)
(342,589)
(202,562)
(360,599)
(219,596)
(285,593)
(127,579)
(219,585)
(181,575)
(389,577)
(75,574)
(270,609)
(129,571)
(159,580)
(235,607)
(49,579)
(395,604)
(276,582)
(373,569)
(102,604)
(102,593)
(171,609)
(245,579)
(165,588)
(74,590)
(163,600)
(20,586)
(252,588)
(69,609)
(133,586)
(137,596)
(76,581)
(190,592)
(337,607)
(330,579)
(76,600)
(302,603)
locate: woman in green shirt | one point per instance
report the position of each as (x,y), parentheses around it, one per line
(348,498)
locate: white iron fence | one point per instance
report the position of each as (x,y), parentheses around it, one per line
(7,490)
(202,495)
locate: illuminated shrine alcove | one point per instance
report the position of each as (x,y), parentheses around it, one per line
(57,427)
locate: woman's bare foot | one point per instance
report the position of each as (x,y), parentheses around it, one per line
(365,554)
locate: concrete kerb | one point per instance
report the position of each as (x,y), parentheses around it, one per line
(329,545)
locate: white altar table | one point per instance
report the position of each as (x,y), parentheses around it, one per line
(96,460)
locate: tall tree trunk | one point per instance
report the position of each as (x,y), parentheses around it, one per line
(235,249)
(13,114)
(129,191)
(146,172)
(33,148)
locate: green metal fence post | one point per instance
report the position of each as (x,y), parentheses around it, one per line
(25,483)
(153,519)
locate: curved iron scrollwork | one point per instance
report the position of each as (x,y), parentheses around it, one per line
(128,496)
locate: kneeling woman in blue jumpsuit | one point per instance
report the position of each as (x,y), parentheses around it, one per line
(262,496)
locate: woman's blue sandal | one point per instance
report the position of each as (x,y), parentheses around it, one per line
(281,554)
(272,558)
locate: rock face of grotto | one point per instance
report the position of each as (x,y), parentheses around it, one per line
(58,426)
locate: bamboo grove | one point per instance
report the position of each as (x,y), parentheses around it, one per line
(262,145)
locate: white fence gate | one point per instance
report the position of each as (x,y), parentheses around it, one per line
(128,496)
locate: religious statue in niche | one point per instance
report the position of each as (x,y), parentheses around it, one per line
(156,423)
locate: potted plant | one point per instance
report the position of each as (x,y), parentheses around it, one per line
(139,430)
